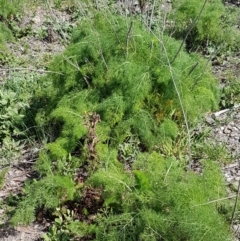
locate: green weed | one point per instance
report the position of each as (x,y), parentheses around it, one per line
(230,94)
(101,75)
(2,177)
(9,8)
(107,105)
(161,202)
(66,226)
(209,27)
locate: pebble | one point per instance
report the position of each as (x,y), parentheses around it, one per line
(226,130)
(236,227)
(229,179)
(233,165)
(234,186)
(209,120)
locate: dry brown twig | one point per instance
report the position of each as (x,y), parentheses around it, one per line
(30,69)
(189,31)
(90,121)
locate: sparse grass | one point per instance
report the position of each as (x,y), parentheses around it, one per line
(2,176)
(209,27)
(230,94)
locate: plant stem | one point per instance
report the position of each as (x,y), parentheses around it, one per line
(188,32)
(235,204)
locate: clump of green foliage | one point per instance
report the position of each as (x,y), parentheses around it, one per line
(208,30)
(66,227)
(6,34)
(11,116)
(15,95)
(230,94)
(160,201)
(9,8)
(48,192)
(10,113)
(126,79)
(2,177)
(117,69)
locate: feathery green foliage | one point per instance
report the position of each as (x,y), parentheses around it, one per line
(208,29)
(5,34)
(124,78)
(161,202)
(9,8)
(116,68)
(2,176)
(48,192)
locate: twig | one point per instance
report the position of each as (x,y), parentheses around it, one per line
(120,181)
(78,68)
(180,102)
(202,238)
(128,35)
(192,69)
(178,95)
(164,19)
(220,112)
(217,114)
(152,12)
(213,201)
(235,203)
(100,49)
(30,69)
(29,162)
(188,32)
(168,170)
(113,29)
(204,69)
(90,121)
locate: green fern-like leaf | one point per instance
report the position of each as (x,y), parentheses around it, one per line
(49,193)
(142,181)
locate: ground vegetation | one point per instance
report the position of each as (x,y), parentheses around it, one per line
(115,113)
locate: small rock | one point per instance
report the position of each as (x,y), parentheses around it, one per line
(209,120)
(229,179)
(37,19)
(234,186)
(233,165)
(227,130)
(236,227)
(225,63)
(233,148)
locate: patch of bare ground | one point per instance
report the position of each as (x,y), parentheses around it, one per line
(225,130)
